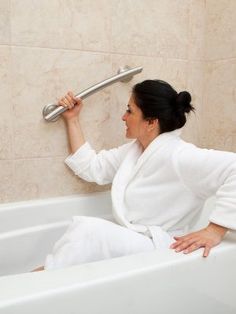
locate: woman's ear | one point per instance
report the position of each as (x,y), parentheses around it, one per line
(152,124)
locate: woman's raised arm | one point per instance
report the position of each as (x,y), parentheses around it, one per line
(71,117)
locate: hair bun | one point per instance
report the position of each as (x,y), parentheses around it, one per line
(183,101)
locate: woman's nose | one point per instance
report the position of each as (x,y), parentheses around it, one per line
(124,117)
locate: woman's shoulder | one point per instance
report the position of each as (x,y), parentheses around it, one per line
(187,148)
(190,156)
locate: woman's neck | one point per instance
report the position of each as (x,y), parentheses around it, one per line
(145,141)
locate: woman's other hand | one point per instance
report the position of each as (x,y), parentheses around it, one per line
(205,238)
(72,104)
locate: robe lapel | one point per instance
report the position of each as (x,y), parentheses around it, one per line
(121,180)
(132,163)
(153,148)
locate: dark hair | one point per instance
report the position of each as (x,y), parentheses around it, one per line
(158,100)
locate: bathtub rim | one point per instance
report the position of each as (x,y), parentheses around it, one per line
(50,200)
(53,210)
(81,276)
(46,283)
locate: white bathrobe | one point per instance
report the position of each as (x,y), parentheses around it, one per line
(160,192)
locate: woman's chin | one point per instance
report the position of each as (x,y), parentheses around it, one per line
(128,135)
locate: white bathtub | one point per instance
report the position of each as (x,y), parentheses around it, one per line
(156,282)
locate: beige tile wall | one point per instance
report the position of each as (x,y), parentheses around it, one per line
(5,31)
(219,118)
(49,47)
(220,29)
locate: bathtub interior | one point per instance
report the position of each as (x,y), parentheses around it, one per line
(160,281)
(29,229)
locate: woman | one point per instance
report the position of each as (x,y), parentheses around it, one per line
(159,182)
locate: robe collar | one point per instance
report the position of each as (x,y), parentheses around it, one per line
(155,145)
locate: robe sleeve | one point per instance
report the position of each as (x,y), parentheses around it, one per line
(97,167)
(211,172)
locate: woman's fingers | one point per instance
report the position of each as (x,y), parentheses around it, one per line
(72,104)
(180,240)
(66,101)
(205,238)
(206,251)
(193,247)
(72,97)
(183,244)
(69,101)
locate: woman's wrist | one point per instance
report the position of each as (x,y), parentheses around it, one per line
(71,120)
(220,230)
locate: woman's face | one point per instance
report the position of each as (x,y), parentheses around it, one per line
(133,118)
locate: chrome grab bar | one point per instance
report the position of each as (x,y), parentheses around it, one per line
(51,112)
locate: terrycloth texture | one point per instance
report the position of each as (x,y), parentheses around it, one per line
(91,239)
(158,193)
(164,186)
